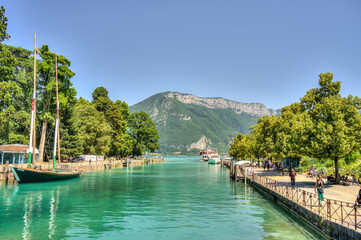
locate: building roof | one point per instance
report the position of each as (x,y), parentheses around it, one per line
(16,148)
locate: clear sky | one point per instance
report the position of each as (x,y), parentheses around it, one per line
(267,51)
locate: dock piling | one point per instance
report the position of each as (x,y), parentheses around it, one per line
(7,172)
(235,173)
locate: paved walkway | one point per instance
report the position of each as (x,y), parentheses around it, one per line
(332,191)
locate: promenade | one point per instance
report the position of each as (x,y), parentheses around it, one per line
(336,215)
(332,191)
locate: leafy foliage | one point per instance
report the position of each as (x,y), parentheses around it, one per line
(143,132)
(94,130)
(97,127)
(3,25)
(324,125)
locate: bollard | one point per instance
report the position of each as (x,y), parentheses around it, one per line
(7,172)
(245,176)
(230,169)
(235,173)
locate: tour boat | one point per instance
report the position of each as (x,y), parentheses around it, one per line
(25,175)
(207,154)
(214,160)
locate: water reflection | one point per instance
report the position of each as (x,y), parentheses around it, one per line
(54,205)
(28,212)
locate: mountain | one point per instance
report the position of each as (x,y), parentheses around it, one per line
(187,123)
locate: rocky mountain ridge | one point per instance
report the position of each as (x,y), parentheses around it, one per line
(256,109)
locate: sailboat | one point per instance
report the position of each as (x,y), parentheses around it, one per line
(25,175)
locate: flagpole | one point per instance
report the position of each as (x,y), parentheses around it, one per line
(57,111)
(32,122)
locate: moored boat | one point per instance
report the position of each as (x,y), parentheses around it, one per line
(214,160)
(25,175)
(207,154)
(34,175)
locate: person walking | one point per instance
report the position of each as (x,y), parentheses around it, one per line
(293,177)
(358,199)
(319,186)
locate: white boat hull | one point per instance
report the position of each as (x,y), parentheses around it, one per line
(214,161)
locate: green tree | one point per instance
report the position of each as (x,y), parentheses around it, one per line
(83,101)
(124,108)
(256,143)
(47,96)
(336,121)
(292,126)
(100,92)
(7,65)
(241,147)
(266,135)
(3,25)
(93,129)
(234,149)
(143,132)
(120,140)
(12,117)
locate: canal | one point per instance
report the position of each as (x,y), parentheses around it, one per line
(181,198)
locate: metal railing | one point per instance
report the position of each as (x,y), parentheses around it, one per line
(344,213)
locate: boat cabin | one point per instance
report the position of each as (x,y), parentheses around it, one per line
(15,153)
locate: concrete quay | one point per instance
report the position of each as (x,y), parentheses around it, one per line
(7,177)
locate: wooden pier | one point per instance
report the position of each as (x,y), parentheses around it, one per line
(235,171)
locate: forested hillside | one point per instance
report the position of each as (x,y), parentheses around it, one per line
(187,123)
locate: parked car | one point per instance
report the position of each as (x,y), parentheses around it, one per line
(78,159)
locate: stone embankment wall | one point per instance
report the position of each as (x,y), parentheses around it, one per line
(331,229)
(6,176)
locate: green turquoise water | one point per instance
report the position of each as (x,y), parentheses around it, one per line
(181,198)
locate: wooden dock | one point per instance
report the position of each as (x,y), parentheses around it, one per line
(235,171)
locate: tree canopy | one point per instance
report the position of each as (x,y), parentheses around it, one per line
(323,125)
(98,127)
(143,132)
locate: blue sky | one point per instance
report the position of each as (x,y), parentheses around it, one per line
(249,51)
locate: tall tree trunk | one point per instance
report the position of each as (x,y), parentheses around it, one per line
(291,163)
(283,167)
(337,176)
(42,140)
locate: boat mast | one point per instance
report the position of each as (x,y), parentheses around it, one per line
(32,122)
(57,111)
